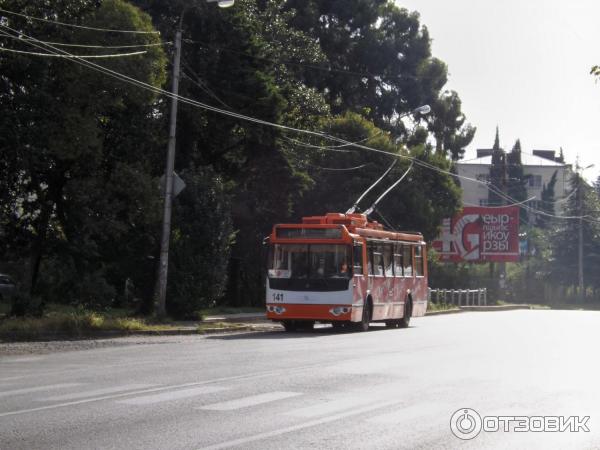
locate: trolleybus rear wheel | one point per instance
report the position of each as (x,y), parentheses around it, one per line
(363,325)
(408,307)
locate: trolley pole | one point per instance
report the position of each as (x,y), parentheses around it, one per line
(161,288)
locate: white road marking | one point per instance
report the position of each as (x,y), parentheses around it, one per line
(252,400)
(11,378)
(37,389)
(420,410)
(96,392)
(173,395)
(18,359)
(300,426)
(252,376)
(353,399)
(329,407)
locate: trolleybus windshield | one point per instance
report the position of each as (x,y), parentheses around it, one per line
(310,261)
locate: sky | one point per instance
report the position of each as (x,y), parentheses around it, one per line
(524,66)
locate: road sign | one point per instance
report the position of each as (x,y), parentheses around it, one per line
(178,184)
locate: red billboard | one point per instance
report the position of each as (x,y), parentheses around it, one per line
(480,234)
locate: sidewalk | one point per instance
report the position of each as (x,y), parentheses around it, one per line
(223,323)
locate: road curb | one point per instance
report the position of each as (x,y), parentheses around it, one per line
(495,307)
(443,312)
(46,337)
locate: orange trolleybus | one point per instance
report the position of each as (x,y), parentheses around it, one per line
(345,270)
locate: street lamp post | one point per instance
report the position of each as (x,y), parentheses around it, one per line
(163,270)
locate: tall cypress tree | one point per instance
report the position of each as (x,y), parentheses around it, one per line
(497,173)
(516,184)
(547,202)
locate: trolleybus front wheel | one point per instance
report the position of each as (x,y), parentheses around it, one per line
(289,325)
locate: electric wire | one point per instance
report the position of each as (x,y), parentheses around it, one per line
(342,169)
(192,102)
(55,22)
(201,84)
(64,44)
(319,147)
(51,55)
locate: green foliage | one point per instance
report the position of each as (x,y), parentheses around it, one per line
(79,151)
(23,304)
(548,202)
(516,182)
(447,124)
(419,202)
(497,173)
(565,237)
(379,63)
(202,237)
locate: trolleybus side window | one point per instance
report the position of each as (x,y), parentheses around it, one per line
(407,260)
(398,260)
(387,260)
(419,261)
(378,260)
(358,260)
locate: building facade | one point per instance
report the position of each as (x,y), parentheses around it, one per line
(538,168)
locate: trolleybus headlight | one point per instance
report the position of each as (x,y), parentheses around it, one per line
(278,309)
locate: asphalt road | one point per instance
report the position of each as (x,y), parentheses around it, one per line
(394,388)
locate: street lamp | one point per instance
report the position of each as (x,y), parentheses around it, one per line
(425,109)
(161,287)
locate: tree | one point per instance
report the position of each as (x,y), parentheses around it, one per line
(516,183)
(379,63)
(79,150)
(420,202)
(547,203)
(565,238)
(201,244)
(597,186)
(247,60)
(447,124)
(497,174)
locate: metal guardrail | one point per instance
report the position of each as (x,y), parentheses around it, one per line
(459,297)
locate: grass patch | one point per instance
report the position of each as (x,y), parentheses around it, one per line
(76,323)
(440,306)
(220,325)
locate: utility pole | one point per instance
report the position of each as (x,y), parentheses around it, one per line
(160,293)
(580,186)
(163,270)
(580,246)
